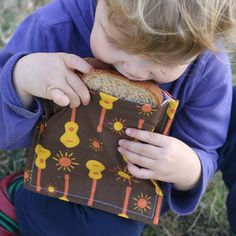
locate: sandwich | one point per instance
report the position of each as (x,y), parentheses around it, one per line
(107,80)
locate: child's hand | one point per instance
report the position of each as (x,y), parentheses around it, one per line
(161,157)
(51,76)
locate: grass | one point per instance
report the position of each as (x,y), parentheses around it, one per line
(209,218)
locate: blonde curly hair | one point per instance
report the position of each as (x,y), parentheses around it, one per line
(170,31)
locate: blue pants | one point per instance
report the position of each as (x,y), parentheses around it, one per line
(227,164)
(40,215)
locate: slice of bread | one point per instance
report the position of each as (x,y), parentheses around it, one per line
(107,80)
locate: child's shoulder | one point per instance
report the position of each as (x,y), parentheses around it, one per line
(53,13)
(209,63)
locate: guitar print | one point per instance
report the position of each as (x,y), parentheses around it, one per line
(126,202)
(159,201)
(140,123)
(42,155)
(125,176)
(66,188)
(170,114)
(65,162)
(70,138)
(106,103)
(95,173)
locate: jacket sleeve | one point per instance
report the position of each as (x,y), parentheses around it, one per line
(16,123)
(202,124)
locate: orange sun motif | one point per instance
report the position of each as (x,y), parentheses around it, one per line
(95,144)
(65,161)
(27,175)
(118,125)
(124,175)
(142,203)
(51,189)
(145,110)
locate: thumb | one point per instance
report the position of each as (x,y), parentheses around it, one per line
(58,97)
(74,62)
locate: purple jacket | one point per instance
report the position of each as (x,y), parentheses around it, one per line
(204,90)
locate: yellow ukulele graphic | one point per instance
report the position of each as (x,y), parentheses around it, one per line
(65,162)
(70,138)
(170,113)
(126,202)
(125,176)
(140,126)
(106,103)
(95,173)
(42,155)
(66,188)
(159,201)
(140,123)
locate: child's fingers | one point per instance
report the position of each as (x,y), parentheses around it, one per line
(143,149)
(59,97)
(156,139)
(140,173)
(62,94)
(76,63)
(138,159)
(79,87)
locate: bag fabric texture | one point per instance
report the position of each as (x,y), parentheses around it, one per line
(74,157)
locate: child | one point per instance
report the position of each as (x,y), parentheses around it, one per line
(227,164)
(170,42)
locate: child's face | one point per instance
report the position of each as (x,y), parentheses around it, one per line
(134,67)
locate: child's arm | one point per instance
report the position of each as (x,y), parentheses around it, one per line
(201,125)
(16,122)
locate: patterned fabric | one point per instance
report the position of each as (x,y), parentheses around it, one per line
(74,156)
(8,186)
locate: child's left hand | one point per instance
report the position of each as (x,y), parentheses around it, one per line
(162,158)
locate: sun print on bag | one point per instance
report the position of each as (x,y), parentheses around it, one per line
(96,144)
(118,125)
(146,110)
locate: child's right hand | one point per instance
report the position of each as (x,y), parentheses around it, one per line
(51,76)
